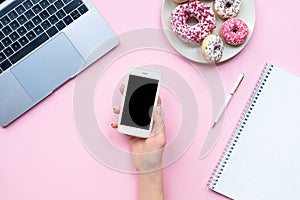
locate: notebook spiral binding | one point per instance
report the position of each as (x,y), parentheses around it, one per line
(218,171)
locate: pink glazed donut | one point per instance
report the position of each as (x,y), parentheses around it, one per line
(234,31)
(193,33)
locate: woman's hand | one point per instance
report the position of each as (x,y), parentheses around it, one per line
(147,152)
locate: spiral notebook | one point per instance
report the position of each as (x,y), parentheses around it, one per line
(262,158)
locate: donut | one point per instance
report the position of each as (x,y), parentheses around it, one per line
(193,33)
(212,48)
(226,9)
(181,1)
(234,31)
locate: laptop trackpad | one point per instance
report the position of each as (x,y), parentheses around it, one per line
(49,67)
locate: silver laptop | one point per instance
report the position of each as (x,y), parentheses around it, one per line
(43,44)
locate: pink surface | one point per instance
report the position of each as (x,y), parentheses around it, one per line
(41,156)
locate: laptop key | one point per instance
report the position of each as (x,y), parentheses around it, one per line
(59,4)
(72,6)
(38,30)
(23,41)
(22,19)
(68,20)
(12,15)
(35,1)
(66,1)
(44,4)
(6,42)
(36,20)
(20,9)
(16,46)
(5,20)
(1,35)
(60,14)
(60,25)
(28,48)
(1,26)
(2,57)
(83,9)
(1,46)
(52,31)
(44,15)
(31,35)
(51,10)
(14,36)
(37,9)
(21,31)
(29,26)
(6,30)
(75,14)
(46,24)
(14,25)
(8,52)
(27,4)
(53,19)
(5,65)
(29,14)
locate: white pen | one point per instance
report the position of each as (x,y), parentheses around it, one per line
(228,98)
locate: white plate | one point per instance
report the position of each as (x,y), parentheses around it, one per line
(192,52)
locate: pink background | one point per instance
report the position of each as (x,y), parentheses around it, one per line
(41,156)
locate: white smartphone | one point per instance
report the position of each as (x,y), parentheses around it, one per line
(139,98)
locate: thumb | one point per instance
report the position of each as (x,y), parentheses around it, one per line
(158,121)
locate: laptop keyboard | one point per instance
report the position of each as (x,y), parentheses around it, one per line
(31,23)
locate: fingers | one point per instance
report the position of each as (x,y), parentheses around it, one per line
(114,124)
(121,88)
(158,121)
(116,110)
(157,109)
(159,101)
(157,115)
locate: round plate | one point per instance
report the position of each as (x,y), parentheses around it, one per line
(192,52)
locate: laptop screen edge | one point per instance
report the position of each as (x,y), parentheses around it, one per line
(4,3)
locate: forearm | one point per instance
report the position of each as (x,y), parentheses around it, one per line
(150,186)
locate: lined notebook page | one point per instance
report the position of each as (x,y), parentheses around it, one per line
(265,161)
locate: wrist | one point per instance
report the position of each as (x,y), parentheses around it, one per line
(150,186)
(148,162)
(151,177)
(149,168)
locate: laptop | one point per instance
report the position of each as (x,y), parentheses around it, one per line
(43,44)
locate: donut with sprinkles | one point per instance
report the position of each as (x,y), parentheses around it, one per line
(226,9)
(193,33)
(234,31)
(212,48)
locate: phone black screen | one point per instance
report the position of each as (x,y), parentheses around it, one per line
(139,101)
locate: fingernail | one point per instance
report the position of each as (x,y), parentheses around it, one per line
(114,108)
(111,124)
(159,110)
